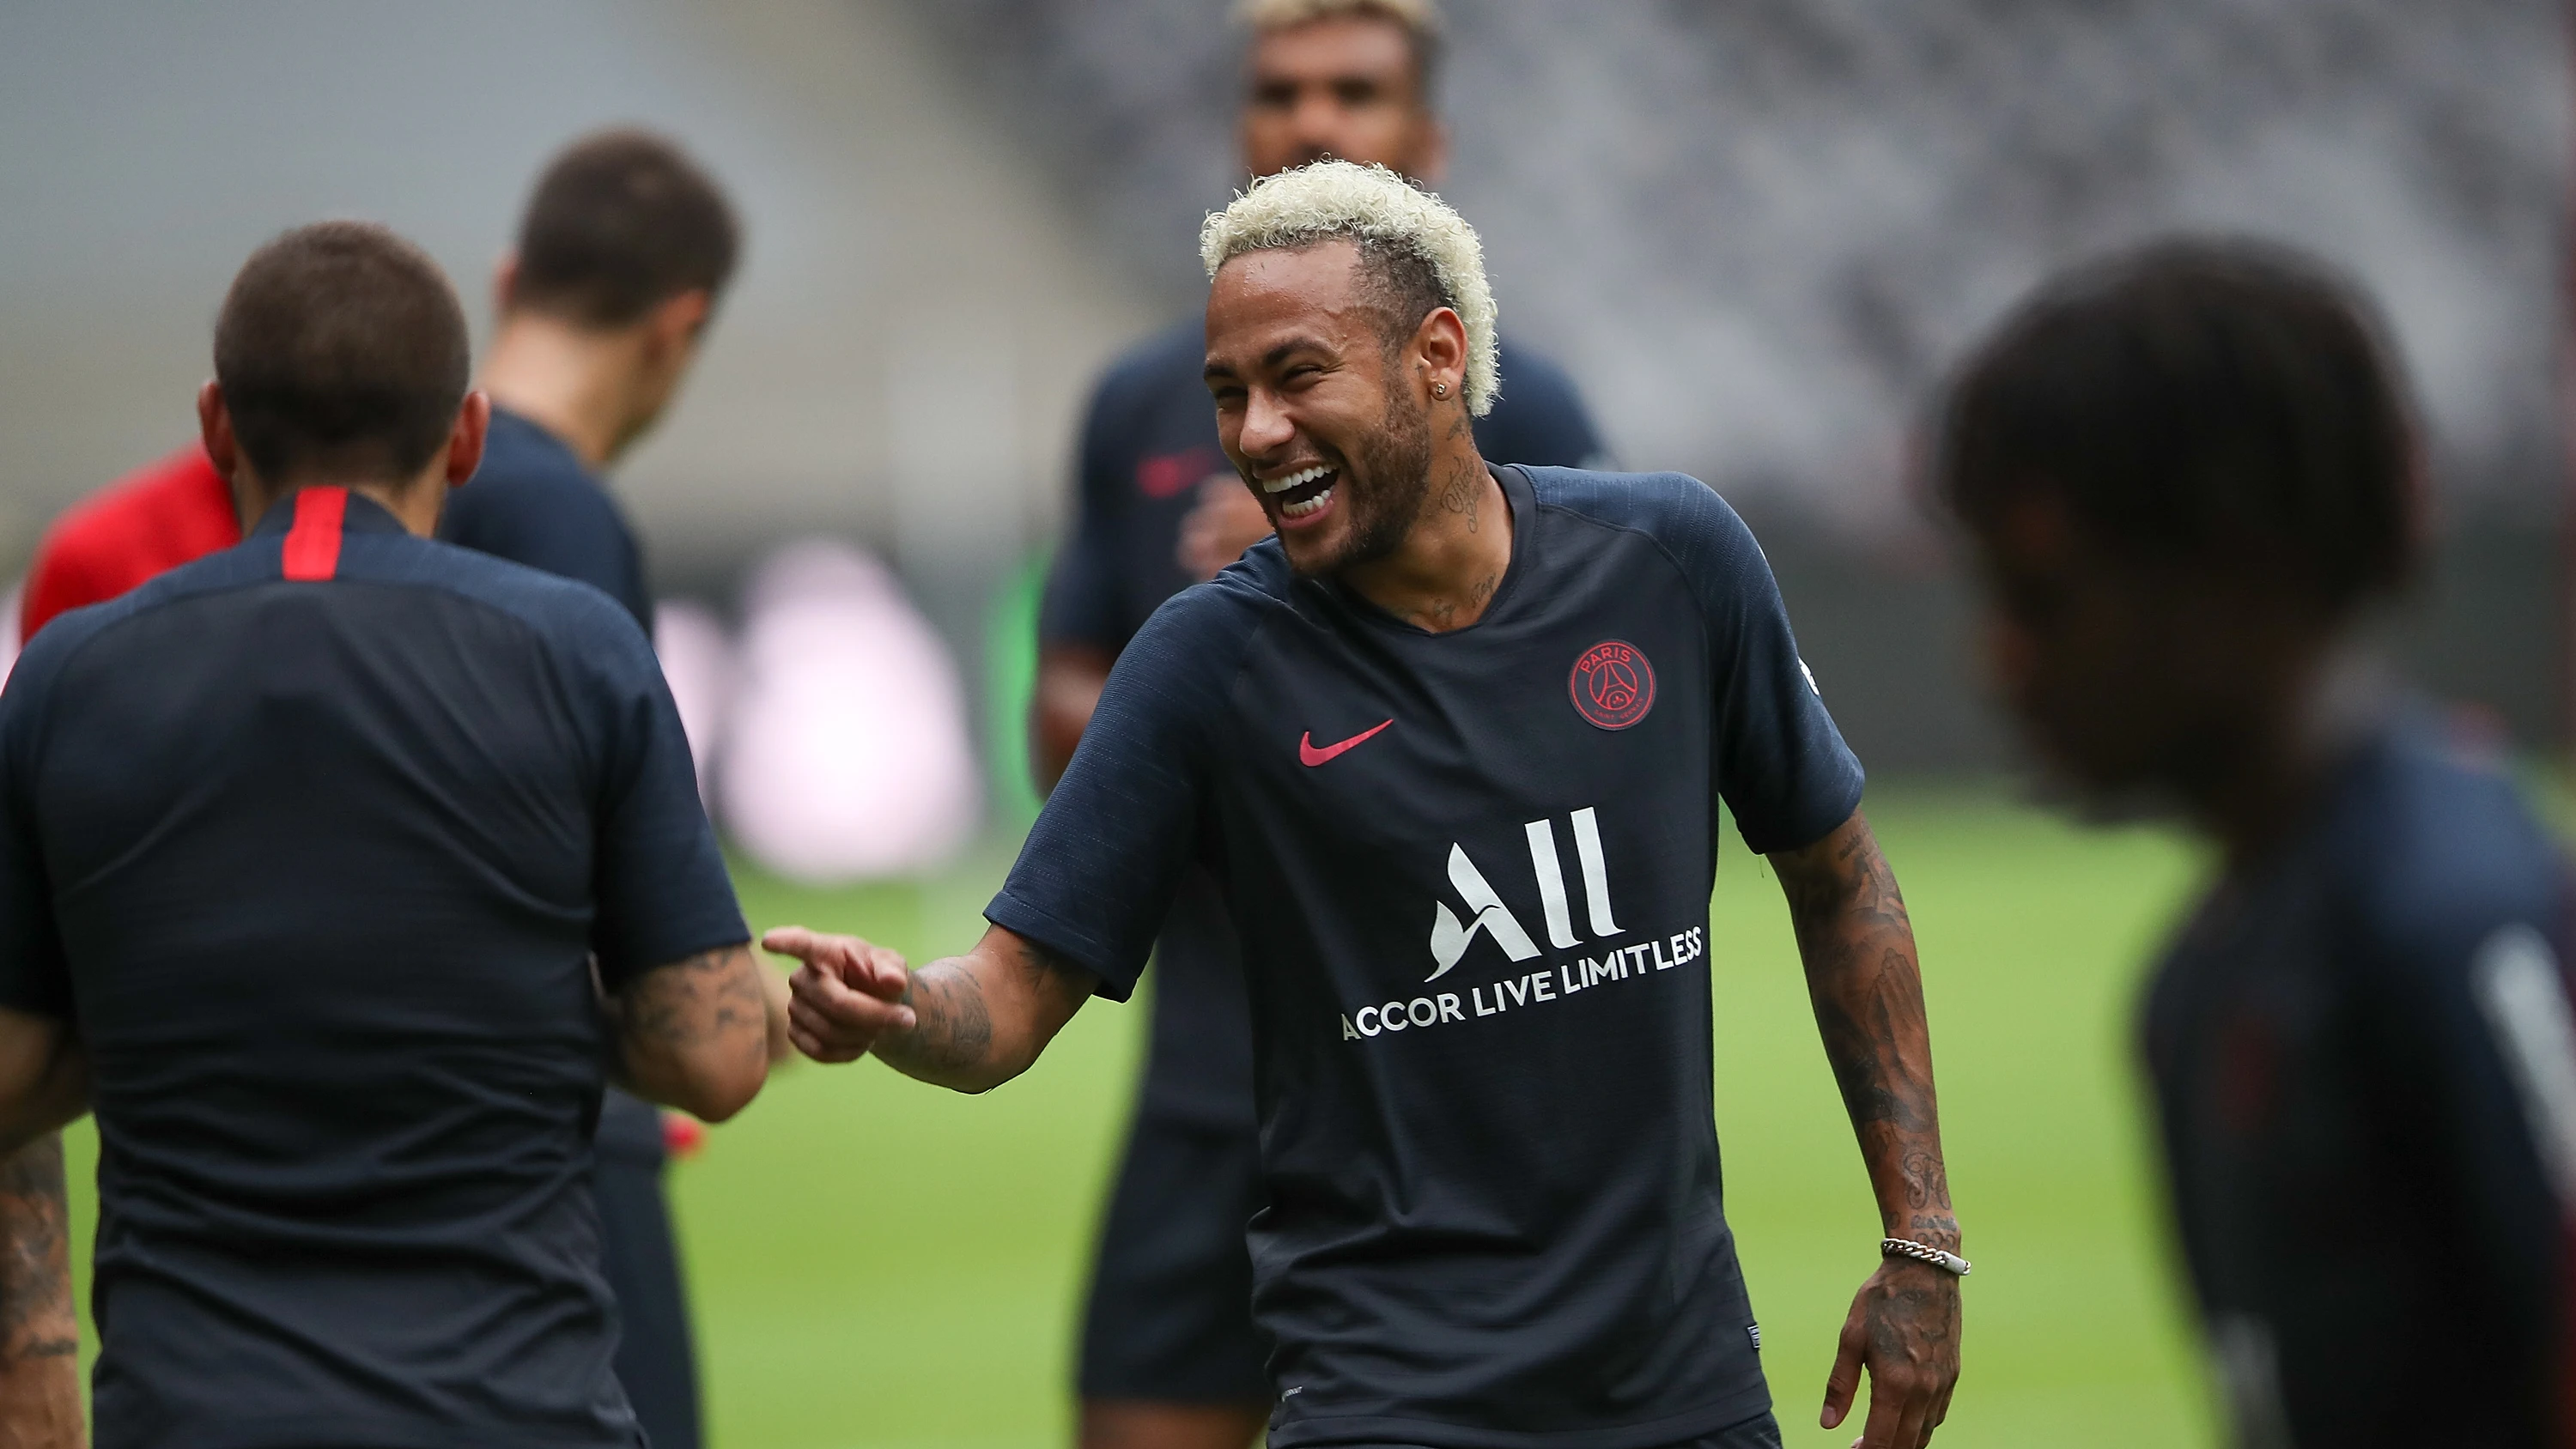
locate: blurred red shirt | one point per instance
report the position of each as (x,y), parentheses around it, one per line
(147,522)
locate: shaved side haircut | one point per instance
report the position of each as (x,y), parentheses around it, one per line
(341,347)
(620,223)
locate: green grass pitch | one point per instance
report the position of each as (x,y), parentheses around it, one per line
(877,1263)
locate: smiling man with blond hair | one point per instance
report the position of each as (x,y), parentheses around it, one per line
(1452,745)
(1170,1356)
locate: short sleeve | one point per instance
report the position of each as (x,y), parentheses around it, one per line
(1099,869)
(1081,603)
(1539,418)
(1781,765)
(35,976)
(660,885)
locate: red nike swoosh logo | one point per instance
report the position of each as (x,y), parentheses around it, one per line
(1307,753)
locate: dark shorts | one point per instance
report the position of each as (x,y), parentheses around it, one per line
(1759,1432)
(1170,1316)
(655,1359)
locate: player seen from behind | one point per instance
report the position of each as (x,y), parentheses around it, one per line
(335,869)
(1170,1356)
(2191,474)
(1454,743)
(622,251)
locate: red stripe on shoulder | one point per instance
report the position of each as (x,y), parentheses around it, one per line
(313,544)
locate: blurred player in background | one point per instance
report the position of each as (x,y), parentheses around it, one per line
(326,863)
(1454,710)
(2190,474)
(621,255)
(1170,1356)
(177,510)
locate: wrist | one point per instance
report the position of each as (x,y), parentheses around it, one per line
(1924,1256)
(1931,1229)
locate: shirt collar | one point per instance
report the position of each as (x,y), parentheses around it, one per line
(506,421)
(365,515)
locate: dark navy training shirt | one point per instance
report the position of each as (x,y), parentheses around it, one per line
(1472,874)
(2361,1052)
(1148,442)
(314,841)
(532,502)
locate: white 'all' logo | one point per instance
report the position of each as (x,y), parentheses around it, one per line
(1450,936)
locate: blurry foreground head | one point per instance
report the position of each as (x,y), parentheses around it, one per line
(1347,79)
(2187,471)
(340,357)
(1348,314)
(627,244)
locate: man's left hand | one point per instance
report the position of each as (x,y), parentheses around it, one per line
(1904,1326)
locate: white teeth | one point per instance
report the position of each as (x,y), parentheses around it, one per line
(1300,510)
(1297,479)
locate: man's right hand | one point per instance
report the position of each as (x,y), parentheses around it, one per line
(846,995)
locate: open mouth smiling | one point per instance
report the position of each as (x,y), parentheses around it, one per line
(1304,491)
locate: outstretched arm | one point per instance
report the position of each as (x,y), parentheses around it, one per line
(40,1405)
(969,1022)
(1858,947)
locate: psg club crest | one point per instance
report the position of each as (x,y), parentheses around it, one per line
(1613,685)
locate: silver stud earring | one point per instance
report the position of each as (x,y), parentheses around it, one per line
(1439,389)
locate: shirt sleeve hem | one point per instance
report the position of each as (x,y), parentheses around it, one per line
(1015,914)
(1810,826)
(52,1006)
(632,961)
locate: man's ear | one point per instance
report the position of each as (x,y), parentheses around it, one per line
(215,429)
(1440,349)
(505,282)
(465,440)
(675,322)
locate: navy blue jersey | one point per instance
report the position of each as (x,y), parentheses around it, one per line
(1472,874)
(532,502)
(1148,442)
(2360,1050)
(314,841)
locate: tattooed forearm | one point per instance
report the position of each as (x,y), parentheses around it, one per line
(39,1333)
(952,1028)
(35,1255)
(1858,946)
(981,1018)
(694,1033)
(712,995)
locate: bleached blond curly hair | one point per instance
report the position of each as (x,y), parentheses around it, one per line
(1371,206)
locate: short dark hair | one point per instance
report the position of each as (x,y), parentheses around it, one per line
(621,222)
(2203,401)
(341,346)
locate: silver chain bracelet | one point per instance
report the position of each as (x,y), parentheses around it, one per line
(1950,1263)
